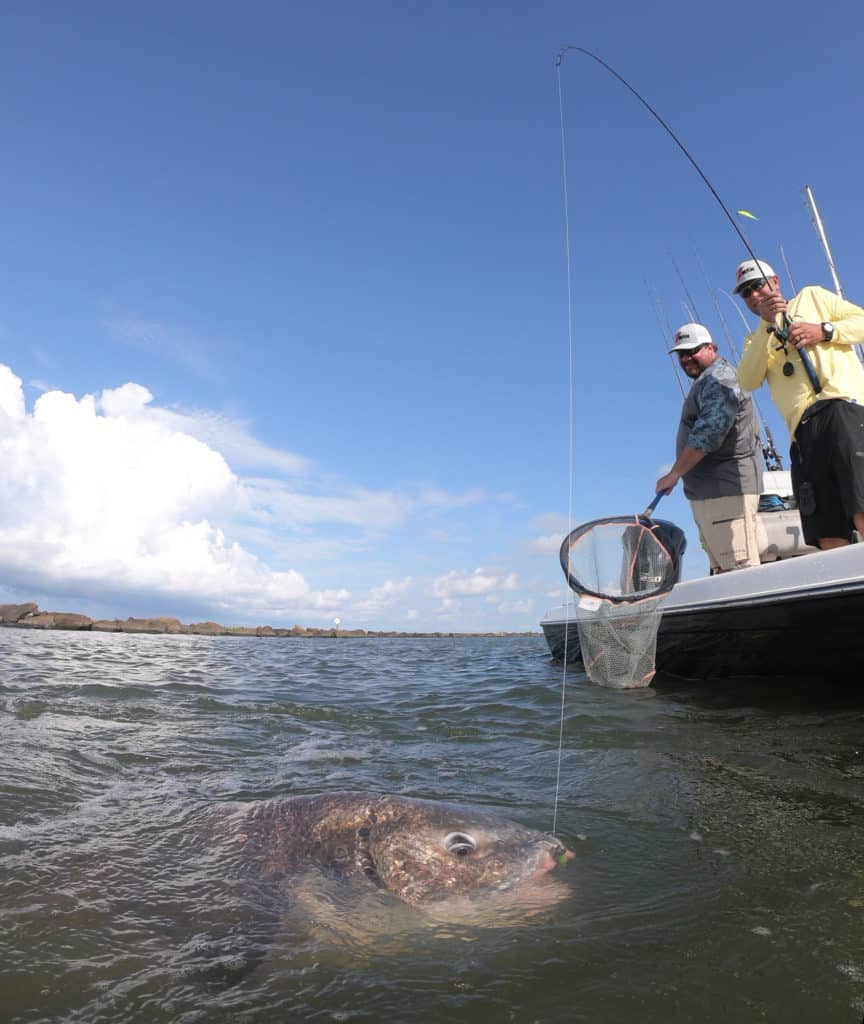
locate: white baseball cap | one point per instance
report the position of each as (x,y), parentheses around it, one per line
(752,270)
(690,336)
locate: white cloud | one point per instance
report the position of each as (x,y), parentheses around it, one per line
(372,510)
(235,442)
(461,583)
(377,599)
(178,344)
(436,498)
(97,491)
(112,498)
(548,545)
(11,395)
(525,607)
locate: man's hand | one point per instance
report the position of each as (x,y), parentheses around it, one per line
(666,484)
(805,334)
(769,304)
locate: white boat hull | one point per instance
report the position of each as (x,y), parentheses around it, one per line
(802,616)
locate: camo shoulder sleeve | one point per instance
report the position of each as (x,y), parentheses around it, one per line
(717,398)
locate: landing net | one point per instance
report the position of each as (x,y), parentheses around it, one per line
(621,569)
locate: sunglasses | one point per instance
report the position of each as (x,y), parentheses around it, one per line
(685,353)
(747,290)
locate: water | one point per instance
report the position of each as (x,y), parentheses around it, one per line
(717,829)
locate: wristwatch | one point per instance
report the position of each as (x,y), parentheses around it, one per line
(827,331)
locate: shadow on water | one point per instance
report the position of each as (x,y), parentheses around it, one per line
(780,694)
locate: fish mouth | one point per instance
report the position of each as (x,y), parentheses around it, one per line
(553,855)
(541,886)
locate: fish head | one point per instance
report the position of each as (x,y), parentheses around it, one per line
(424,852)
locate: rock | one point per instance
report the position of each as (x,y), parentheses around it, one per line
(205,629)
(56,620)
(70,620)
(42,620)
(16,612)
(161,624)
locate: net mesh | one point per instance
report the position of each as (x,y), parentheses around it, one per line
(619,642)
(621,568)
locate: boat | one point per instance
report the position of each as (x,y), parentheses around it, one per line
(778,524)
(799,613)
(796,614)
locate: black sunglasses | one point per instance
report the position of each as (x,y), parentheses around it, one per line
(755,286)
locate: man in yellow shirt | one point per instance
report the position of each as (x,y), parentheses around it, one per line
(827,429)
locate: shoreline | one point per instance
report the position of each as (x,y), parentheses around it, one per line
(28,616)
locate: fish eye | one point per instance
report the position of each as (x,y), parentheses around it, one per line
(459,843)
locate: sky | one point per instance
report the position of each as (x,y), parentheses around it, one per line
(288,328)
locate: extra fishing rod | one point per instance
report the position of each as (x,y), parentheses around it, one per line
(666,333)
(781,324)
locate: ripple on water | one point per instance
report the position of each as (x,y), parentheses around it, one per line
(718,833)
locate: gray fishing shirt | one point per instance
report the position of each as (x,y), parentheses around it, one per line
(718,419)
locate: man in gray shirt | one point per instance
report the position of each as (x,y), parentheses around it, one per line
(717,453)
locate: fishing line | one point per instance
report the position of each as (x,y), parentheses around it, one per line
(781,328)
(570,420)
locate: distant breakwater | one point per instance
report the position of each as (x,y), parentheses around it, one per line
(28,616)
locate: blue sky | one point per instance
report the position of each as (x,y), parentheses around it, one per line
(283,293)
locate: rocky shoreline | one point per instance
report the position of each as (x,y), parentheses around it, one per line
(28,616)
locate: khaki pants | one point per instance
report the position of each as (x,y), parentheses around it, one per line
(728,529)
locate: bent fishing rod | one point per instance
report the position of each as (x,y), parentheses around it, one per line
(781,323)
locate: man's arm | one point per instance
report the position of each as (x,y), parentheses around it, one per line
(688,458)
(848,319)
(754,359)
(718,409)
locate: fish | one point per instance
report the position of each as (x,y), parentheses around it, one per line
(364,870)
(420,852)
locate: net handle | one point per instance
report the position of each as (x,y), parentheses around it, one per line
(648,511)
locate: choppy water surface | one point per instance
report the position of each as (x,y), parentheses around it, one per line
(717,829)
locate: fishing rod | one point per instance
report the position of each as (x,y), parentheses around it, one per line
(788,271)
(810,203)
(781,323)
(692,312)
(664,334)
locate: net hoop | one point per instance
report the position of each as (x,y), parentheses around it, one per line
(668,537)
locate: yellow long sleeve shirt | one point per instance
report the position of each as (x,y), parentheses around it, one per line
(836,362)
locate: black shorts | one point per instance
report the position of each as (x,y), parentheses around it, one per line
(828,468)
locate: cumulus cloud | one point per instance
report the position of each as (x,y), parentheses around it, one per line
(461,583)
(378,599)
(95,490)
(112,498)
(548,545)
(229,437)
